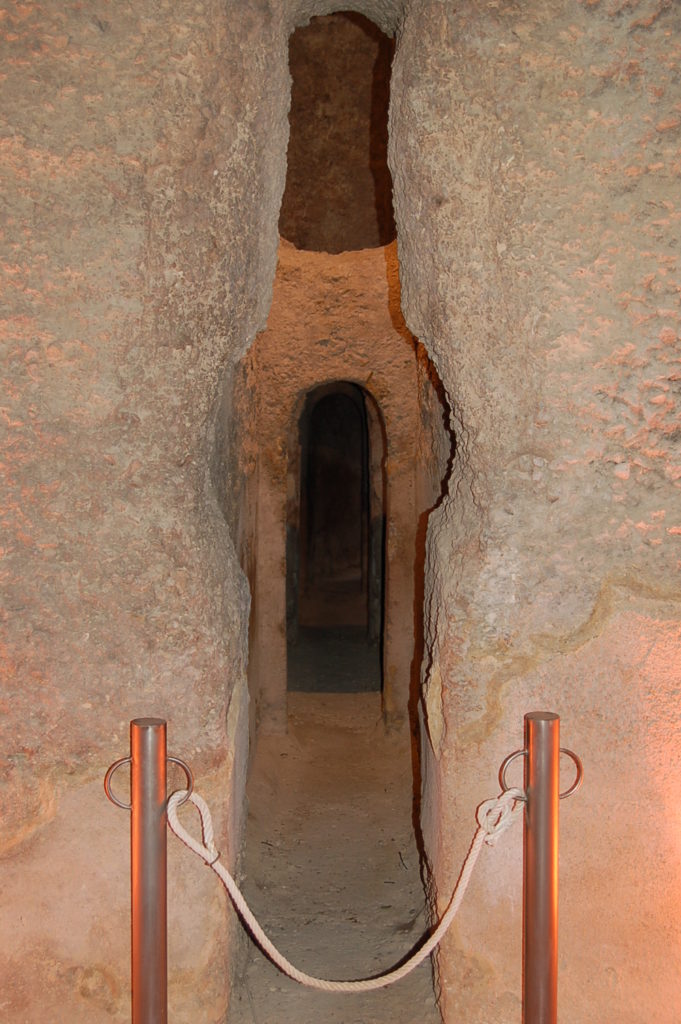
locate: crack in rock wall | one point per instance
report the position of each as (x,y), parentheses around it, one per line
(539,262)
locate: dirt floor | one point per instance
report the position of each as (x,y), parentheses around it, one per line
(332,868)
(356,664)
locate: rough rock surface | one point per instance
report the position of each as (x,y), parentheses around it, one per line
(133,156)
(540,265)
(332,867)
(338,193)
(335,318)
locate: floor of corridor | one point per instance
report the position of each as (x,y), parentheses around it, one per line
(332,869)
(356,663)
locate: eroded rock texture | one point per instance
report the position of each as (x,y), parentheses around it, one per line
(142,184)
(539,260)
(336,319)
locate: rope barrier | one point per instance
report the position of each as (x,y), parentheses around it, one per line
(493,816)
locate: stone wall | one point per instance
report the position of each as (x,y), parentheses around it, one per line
(338,193)
(142,182)
(535,156)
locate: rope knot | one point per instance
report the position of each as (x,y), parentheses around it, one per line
(495,816)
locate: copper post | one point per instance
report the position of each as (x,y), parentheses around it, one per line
(148,871)
(540,938)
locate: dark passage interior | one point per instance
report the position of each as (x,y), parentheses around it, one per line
(338,194)
(334,502)
(338,197)
(332,861)
(335,549)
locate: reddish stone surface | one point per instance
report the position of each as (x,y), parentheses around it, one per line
(340,90)
(124,299)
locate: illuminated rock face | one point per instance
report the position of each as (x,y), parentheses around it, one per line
(335,319)
(540,268)
(535,159)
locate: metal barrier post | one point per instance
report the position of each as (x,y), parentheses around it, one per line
(148,762)
(540,862)
(148,871)
(540,868)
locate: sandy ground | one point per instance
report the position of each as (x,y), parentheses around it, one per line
(331,866)
(356,664)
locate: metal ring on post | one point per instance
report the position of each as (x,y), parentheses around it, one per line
(127,760)
(107,782)
(502,771)
(190,778)
(578,778)
(523,753)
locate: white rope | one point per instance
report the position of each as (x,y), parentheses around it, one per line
(493,816)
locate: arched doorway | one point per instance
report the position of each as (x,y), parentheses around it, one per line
(335,322)
(335,542)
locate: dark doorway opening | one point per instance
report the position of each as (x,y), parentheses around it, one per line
(335,561)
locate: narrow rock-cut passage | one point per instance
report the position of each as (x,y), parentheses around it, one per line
(332,868)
